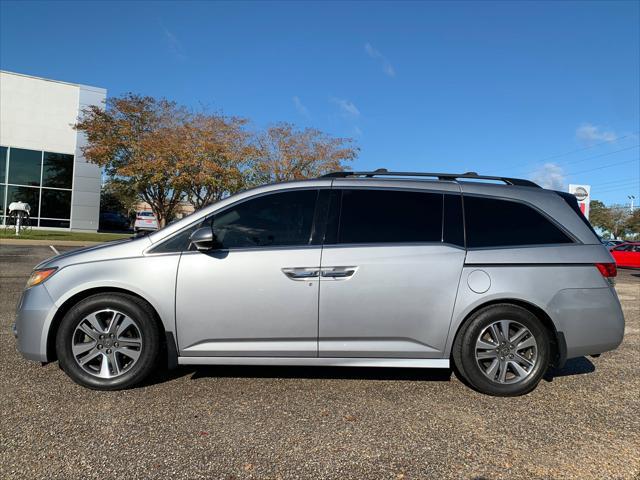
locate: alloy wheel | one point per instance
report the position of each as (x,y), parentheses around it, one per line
(107,343)
(506,352)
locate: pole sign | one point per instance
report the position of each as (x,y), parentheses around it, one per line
(583,195)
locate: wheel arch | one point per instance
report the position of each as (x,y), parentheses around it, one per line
(558,344)
(168,337)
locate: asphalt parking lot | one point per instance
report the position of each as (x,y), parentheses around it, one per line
(252,422)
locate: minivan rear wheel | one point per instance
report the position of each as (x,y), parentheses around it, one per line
(502,350)
(108,341)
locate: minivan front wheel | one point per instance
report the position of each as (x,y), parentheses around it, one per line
(108,341)
(502,350)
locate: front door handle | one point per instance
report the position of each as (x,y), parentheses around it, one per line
(337,272)
(301,273)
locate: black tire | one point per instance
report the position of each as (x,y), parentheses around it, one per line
(134,308)
(464,350)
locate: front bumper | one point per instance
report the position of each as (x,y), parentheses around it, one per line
(33,317)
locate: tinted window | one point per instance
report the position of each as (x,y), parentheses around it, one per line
(387,216)
(57,170)
(498,223)
(278,219)
(2,188)
(178,242)
(24,166)
(623,248)
(453,225)
(55,203)
(55,223)
(24,194)
(3,163)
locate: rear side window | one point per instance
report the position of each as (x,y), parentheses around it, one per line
(492,222)
(388,216)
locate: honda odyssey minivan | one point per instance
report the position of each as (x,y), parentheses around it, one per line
(494,276)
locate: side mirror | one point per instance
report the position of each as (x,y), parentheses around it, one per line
(203,239)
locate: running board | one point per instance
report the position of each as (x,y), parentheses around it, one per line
(319,361)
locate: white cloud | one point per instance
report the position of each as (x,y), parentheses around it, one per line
(590,134)
(347,108)
(173,44)
(300,107)
(550,176)
(387,68)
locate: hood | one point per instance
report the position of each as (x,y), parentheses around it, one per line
(105,251)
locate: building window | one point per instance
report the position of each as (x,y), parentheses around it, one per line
(41,179)
(57,170)
(55,203)
(24,167)
(46,222)
(28,195)
(2,210)
(3,165)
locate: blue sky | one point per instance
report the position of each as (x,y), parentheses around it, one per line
(543,90)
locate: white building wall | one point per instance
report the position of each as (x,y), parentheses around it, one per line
(39,114)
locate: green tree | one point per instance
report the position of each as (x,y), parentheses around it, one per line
(117,195)
(613,219)
(633,224)
(599,215)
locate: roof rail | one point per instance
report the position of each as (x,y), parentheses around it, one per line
(383,172)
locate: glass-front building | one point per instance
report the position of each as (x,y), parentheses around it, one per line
(41,161)
(41,179)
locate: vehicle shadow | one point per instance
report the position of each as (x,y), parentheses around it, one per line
(574,366)
(288,372)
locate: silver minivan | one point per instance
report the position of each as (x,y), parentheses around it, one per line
(495,277)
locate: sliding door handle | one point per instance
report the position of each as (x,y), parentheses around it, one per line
(301,273)
(337,272)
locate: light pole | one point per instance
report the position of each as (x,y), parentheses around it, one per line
(631,199)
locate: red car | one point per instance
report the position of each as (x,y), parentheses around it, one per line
(627,254)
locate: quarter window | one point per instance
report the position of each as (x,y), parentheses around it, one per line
(388,216)
(273,220)
(492,222)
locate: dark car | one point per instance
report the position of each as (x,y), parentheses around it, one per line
(114,221)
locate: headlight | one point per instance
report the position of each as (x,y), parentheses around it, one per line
(39,276)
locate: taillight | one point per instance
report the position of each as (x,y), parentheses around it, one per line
(608,270)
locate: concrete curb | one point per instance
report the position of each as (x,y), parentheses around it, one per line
(46,243)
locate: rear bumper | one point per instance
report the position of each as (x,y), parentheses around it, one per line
(31,328)
(590,319)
